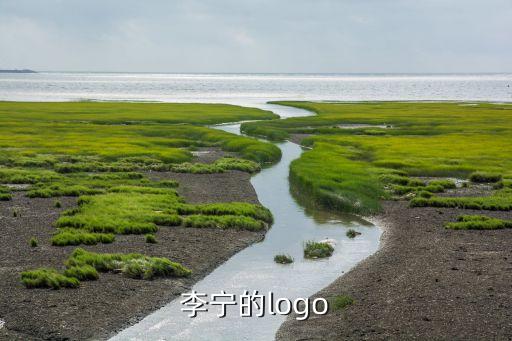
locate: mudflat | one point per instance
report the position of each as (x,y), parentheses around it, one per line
(426,282)
(100,308)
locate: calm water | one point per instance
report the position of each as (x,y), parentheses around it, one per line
(252,89)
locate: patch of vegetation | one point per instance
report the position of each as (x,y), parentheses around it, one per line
(132,265)
(340,302)
(234,208)
(223,222)
(352,233)
(317,250)
(47,278)
(150,238)
(485,177)
(69,236)
(5,196)
(219,166)
(499,201)
(57,204)
(349,169)
(82,273)
(283,259)
(478,222)
(33,242)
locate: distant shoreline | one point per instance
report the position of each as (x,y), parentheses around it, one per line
(18,71)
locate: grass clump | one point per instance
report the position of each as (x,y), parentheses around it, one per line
(5,196)
(283,259)
(219,166)
(478,222)
(352,233)
(150,238)
(340,302)
(132,265)
(47,278)
(167,220)
(499,201)
(485,177)
(33,242)
(317,250)
(57,204)
(223,222)
(234,208)
(82,273)
(69,236)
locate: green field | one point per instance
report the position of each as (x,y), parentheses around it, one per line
(100,152)
(349,169)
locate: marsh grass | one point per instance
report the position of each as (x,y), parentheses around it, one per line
(352,233)
(33,242)
(478,222)
(150,238)
(219,166)
(69,236)
(485,177)
(283,259)
(223,222)
(132,265)
(349,169)
(341,302)
(47,278)
(314,250)
(500,200)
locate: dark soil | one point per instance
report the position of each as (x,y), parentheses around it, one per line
(425,283)
(100,308)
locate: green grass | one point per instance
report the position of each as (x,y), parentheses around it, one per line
(350,169)
(132,265)
(82,273)
(352,233)
(83,265)
(340,302)
(224,222)
(314,250)
(150,238)
(33,242)
(478,222)
(47,278)
(235,208)
(219,166)
(500,200)
(283,259)
(485,177)
(69,236)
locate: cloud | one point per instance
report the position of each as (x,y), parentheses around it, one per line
(257,36)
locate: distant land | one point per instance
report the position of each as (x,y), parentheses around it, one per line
(18,71)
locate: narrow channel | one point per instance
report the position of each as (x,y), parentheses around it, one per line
(254,267)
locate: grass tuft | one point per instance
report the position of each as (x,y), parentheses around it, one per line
(47,278)
(283,259)
(352,233)
(314,250)
(150,238)
(485,177)
(340,302)
(33,242)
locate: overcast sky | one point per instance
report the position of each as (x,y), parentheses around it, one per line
(257,35)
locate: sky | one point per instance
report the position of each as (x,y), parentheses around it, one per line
(305,36)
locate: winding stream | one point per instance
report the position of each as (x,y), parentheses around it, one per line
(254,269)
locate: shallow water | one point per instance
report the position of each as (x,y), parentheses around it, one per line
(254,268)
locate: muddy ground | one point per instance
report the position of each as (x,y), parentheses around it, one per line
(425,283)
(99,308)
